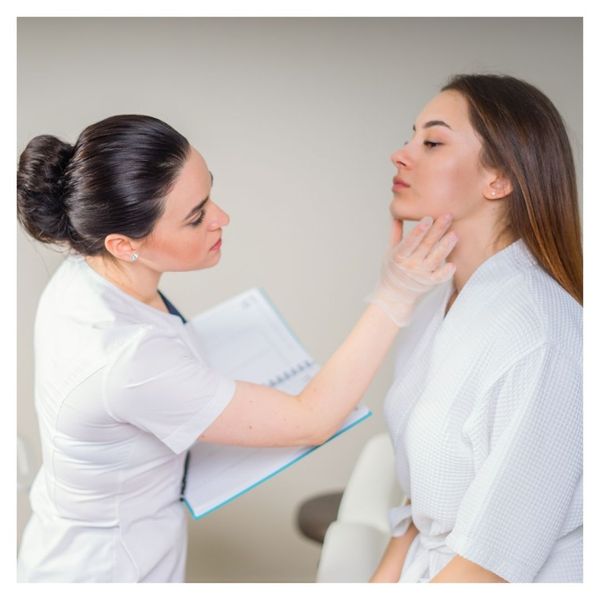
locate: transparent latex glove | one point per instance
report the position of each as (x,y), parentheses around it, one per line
(413,266)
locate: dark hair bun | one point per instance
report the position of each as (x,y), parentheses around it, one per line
(114,180)
(40,183)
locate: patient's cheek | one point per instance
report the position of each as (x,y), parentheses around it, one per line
(452,191)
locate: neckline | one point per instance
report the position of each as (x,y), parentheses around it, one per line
(173,310)
(514,256)
(151,310)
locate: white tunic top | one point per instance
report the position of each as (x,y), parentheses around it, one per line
(120,394)
(485,416)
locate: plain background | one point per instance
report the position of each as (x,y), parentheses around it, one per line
(296,119)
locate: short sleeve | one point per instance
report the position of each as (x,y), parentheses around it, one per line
(513,511)
(160,386)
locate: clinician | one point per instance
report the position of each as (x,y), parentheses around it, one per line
(120,391)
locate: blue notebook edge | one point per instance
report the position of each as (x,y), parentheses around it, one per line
(271,475)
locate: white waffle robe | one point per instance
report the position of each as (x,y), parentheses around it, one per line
(485,415)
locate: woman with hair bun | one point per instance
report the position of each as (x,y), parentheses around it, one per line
(120,391)
(485,413)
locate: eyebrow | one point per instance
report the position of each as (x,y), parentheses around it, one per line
(433,124)
(200,206)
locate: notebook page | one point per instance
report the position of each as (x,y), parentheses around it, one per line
(244,338)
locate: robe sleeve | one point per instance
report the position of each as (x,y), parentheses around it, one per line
(514,510)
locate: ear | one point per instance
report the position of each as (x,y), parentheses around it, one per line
(497,188)
(120,246)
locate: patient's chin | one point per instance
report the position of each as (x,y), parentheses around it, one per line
(401,211)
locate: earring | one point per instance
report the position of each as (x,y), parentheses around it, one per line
(134,257)
(493,193)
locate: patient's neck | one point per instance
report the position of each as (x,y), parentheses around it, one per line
(478,240)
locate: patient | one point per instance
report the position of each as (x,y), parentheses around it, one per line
(485,413)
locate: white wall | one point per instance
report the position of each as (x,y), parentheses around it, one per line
(296,119)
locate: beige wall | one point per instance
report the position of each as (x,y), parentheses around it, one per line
(296,119)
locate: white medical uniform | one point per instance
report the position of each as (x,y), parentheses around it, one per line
(120,395)
(485,416)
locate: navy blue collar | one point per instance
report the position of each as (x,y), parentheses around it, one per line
(170,307)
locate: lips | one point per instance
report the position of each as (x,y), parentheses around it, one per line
(217,245)
(400,182)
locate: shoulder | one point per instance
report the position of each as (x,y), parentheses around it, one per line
(538,355)
(533,311)
(80,315)
(512,304)
(72,294)
(510,312)
(160,383)
(513,298)
(149,349)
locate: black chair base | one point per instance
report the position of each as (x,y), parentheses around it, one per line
(316,514)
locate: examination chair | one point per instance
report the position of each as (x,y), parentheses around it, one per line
(354,543)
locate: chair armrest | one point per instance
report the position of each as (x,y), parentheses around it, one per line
(351,552)
(372,488)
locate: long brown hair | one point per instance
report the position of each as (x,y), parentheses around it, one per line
(524,137)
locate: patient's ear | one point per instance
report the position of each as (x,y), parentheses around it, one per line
(497,188)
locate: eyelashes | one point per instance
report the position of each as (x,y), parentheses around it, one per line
(427,143)
(198,220)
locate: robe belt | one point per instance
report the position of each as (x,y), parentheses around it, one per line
(399,519)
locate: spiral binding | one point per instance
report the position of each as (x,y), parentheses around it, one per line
(289,374)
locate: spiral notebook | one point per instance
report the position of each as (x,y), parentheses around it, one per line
(245,338)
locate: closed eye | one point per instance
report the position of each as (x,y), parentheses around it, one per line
(198,220)
(431,144)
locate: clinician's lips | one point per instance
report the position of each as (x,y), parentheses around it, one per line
(216,246)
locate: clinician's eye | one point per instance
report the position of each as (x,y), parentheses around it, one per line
(198,220)
(430,144)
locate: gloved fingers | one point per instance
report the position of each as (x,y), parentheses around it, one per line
(408,245)
(435,233)
(435,259)
(444,273)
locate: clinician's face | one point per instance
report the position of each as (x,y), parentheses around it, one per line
(188,235)
(438,170)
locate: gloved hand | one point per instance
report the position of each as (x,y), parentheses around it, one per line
(413,266)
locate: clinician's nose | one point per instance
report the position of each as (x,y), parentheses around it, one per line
(218,219)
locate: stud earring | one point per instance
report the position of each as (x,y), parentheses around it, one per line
(134,257)
(493,193)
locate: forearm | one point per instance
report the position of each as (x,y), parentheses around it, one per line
(461,570)
(344,378)
(412,267)
(263,416)
(392,562)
